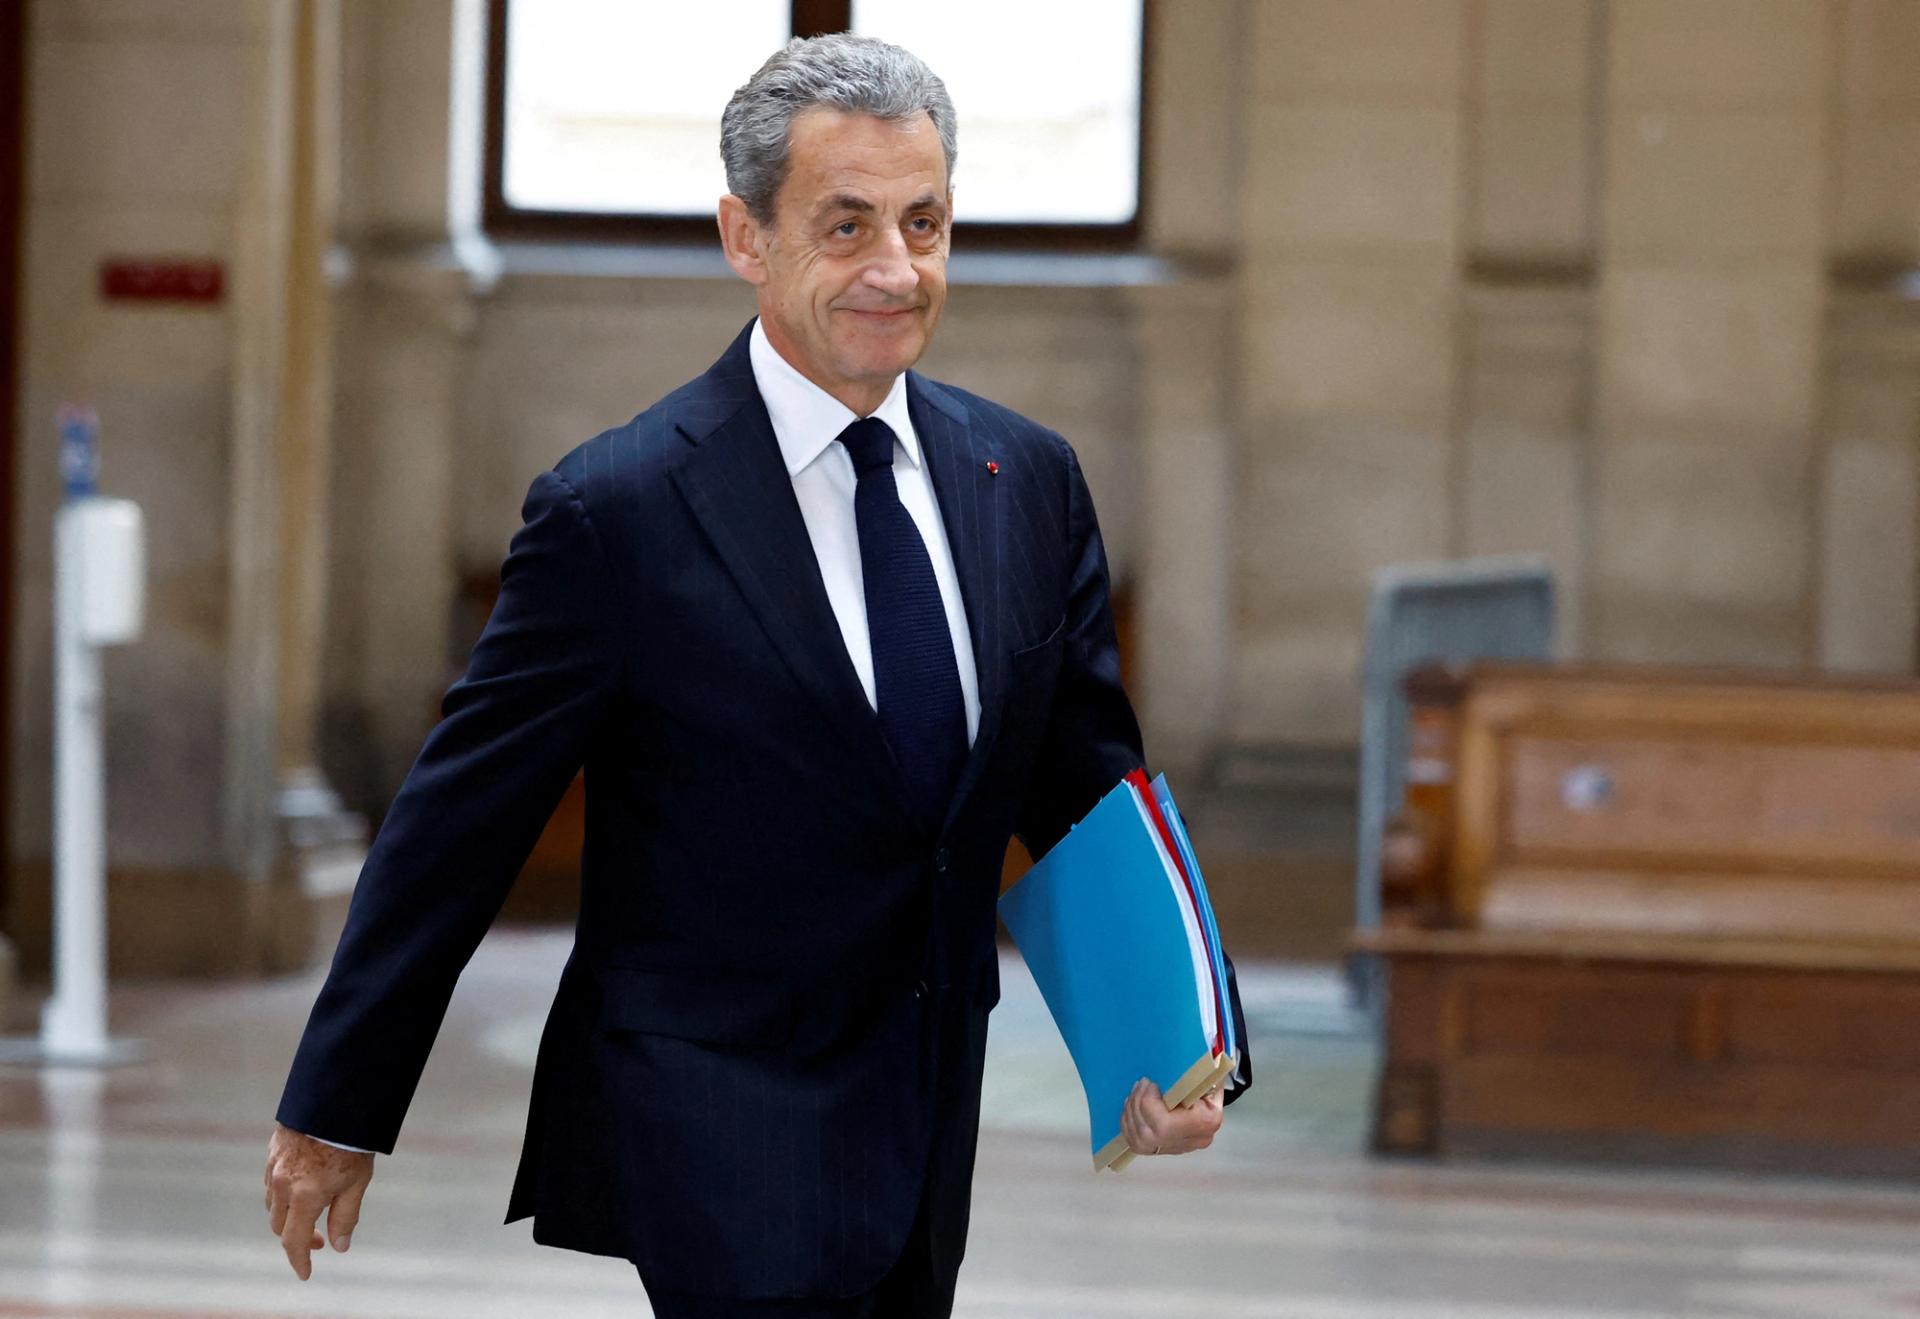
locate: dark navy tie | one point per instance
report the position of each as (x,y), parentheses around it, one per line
(915,678)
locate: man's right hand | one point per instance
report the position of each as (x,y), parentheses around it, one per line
(304,1176)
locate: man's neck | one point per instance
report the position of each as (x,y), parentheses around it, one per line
(861,397)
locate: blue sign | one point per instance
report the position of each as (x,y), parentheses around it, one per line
(79,450)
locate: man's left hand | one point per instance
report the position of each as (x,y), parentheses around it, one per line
(1152,1128)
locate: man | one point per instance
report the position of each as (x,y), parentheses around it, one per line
(824,634)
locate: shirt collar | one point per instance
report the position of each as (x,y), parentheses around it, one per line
(806,419)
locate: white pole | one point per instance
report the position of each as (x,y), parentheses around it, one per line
(73,1026)
(99,567)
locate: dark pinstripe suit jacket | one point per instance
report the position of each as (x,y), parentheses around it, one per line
(769,1033)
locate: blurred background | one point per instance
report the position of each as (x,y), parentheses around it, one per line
(1559,356)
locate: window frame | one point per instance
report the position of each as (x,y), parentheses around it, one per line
(501,219)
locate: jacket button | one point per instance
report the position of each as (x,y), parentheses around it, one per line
(941,860)
(920,989)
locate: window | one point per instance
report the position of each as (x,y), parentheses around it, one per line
(604,115)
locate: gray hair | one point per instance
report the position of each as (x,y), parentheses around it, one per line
(840,71)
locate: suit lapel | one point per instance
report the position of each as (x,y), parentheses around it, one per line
(737,486)
(970,508)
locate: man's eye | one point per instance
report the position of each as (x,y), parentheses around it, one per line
(847,228)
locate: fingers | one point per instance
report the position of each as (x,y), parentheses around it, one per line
(344,1214)
(1192,1128)
(1150,1127)
(297,1237)
(279,1200)
(1130,1128)
(304,1177)
(1140,1118)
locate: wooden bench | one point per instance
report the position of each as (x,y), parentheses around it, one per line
(1656,915)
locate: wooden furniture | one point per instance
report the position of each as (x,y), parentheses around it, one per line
(1656,915)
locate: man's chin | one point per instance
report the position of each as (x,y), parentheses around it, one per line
(881,361)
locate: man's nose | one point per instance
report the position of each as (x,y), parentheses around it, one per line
(891,270)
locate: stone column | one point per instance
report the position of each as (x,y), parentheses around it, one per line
(1185,520)
(262,249)
(1186,346)
(1711,299)
(403,330)
(1869,486)
(1350,213)
(1876,214)
(409,267)
(287,828)
(320,844)
(1533,105)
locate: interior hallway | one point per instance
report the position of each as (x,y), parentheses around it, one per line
(136,1195)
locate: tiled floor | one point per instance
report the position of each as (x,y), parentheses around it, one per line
(137,1194)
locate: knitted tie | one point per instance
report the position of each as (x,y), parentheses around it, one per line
(916,680)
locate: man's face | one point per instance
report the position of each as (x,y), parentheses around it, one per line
(853,271)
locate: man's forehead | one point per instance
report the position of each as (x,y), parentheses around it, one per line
(828,140)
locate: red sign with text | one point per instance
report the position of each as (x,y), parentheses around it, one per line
(132,280)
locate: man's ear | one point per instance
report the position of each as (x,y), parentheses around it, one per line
(740,240)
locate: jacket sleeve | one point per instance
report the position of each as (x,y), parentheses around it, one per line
(515,729)
(1092,738)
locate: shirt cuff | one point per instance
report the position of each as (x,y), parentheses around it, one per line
(355,1149)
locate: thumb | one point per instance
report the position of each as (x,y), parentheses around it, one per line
(344,1214)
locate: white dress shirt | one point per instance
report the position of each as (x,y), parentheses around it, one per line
(806,421)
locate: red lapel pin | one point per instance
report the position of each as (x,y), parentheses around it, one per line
(993,468)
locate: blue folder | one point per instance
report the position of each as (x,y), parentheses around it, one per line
(1102,929)
(1209,924)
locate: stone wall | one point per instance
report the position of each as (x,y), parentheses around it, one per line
(1565,276)
(173,131)
(137,146)
(1608,281)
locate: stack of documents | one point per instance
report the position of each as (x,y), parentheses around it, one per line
(1115,925)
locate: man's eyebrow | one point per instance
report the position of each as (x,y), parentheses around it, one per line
(846,201)
(927,202)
